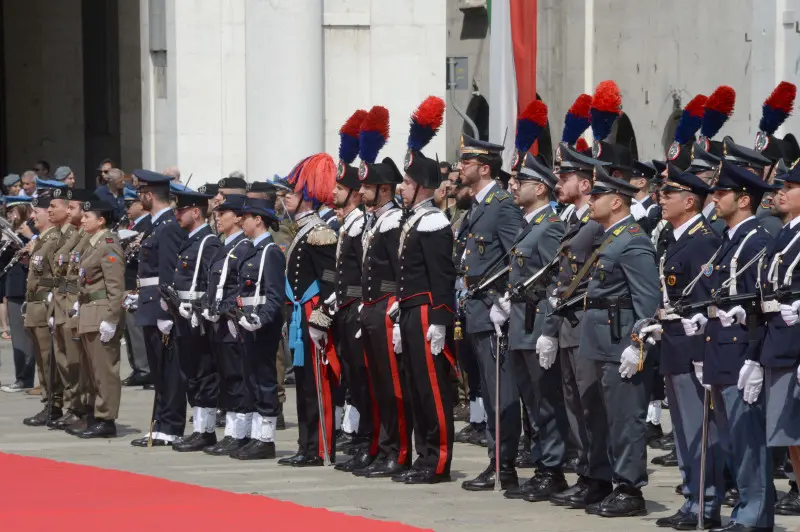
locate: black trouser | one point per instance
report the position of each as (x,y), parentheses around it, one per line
(392,395)
(431,395)
(134,346)
(308,415)
(469,364)
(198,367)
(260,368)
(22,343)
(484,344)
(233,393)
(170,396)
(658,393)
(354,368)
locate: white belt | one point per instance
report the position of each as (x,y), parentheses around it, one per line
(189,295)
(770,306)
(663,315)
(253,300)
(147,281)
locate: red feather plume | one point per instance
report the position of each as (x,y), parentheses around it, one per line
(377,120)
(696,106)
(607,97)
(430,113)
(722,100)
(782,97)
(581,106)
(536,112)
(581,145)
(353,124)
(318,177)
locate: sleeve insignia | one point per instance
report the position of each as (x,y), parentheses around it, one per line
(697,226)
(619,230)
(112,258)
(634,229)
(554,219)
(672,280)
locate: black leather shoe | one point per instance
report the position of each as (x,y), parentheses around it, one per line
(570,466)
(731,497)
(479,438)
(344,440)
(81,425)
(596,491)
(689,522)
(427,476)
(288,460)
(415,469)
(524,460)
(550,483)
(667,460)
(142,442)
(461,412)
(308,461)
(667,522)
(255,450)
(280,424)
(679,489)
(463,435)
(789,504)
(623,502)
(390,468)
(137,379)
(561,498)
(69,418)
(736,527)
(104,428)
(40,419)
(526,487)
(654,432)
(666,442)
(197,441)
(485,481)
(376,464)
(225,448)
(361,460)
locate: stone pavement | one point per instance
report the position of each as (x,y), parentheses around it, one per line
(442,507)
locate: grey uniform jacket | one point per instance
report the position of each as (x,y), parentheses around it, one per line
(536,247)
(491,230)
(625,268)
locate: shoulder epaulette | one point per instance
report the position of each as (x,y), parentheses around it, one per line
(500,195)
(696,227)
(434,221)
(585,218)
(357,227)
(540,218)
(322,235)
(391,221)
(635,229)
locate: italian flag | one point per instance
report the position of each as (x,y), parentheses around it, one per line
(512,68)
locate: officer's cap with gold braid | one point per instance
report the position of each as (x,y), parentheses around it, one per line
(534,170)
(573,161)
(678,181)
(346,173)
(742,155)
(737,178)
(472,148)
(425,123)
(702,161)
(604,183)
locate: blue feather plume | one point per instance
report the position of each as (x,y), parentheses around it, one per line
(602,121)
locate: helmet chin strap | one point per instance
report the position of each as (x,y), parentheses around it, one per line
(407,210)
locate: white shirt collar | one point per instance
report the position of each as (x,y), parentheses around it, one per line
(480,196)
(708,210)
(229,239)
(531,215)
(619,222)
(793,222)
(580,212)
(158,215)
(732,230)
(260,237)
(684,226)
(140,218)
(196,230)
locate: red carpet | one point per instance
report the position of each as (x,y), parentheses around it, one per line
(38,494)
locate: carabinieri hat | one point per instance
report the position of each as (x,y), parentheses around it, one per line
(774,112)
(530,124)
(425,123)
(346,173)
(604,183)
(737,178)
(679,181)
(371,139)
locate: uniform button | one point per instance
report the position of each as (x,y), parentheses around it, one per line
(558,283)
(468,252)
(734,338)
(561,269)
(708,338)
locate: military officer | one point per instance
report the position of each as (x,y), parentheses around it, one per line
(310,267)
(157,257)
(732,335)
(685,279)
(491,229)
(560,337)
(197,362)
(538,381)
(262,286)
(705,165)
(102,287)
(644,209)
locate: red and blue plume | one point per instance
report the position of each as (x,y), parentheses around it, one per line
(314,177)
(606,107)
(777,107)
(691,119)
(374,133)
(581,145)
(530,124)
(719,108)
(348,137)
(425,122)
(577,120)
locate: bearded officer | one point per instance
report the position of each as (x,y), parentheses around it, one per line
(157,257)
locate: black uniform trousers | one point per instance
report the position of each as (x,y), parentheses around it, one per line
(198,367)
(261,370)
(469,364)
(234,395)
(431,394)
(354,368)
(308,415)
(484,345)
(389,383)
(170,395)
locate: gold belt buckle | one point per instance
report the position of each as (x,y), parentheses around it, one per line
(712,311)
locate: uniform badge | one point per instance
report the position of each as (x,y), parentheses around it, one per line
(520,260)
(557,158)
(340,170)
(60,260)
(82,273)
(109,240)
(37,262)
(602,275)
(762,141)
(515,159)
(57,193)
(597,149)
(708,269)
(672,280)
(674,151)
(704,143)
(363,170)
(574,267)
(409,160)
(202,189)
(481,248)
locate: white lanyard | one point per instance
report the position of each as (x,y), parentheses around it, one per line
(731,282)
(224,276)
(773,269)
(261,269)
(197,265)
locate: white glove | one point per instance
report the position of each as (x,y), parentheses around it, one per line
(358,333)
(185,310)
(736,314)
(694,326)
(76,308)
(698,372)
(331,303)
(751,380)
(252,324)
(629,362)
(164,306)
(165,326)
(320,338)
(436,337)
(652,333)
(790,313)
(396,339)
(505,303)
(798,374)
(232,328)
(130,300)
(360,306)
(50,297)
(553,300)
(107,331)
(195,323)
(209,317)
(51,322)
(546,348)
(498,318)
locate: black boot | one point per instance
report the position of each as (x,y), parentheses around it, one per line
(790,503)
(40,419)
(595,492)
(654,432)
(524,460)
(255,450)
(104,428)
(197,441)
(69,418)
(485,481)
(576,490)
(288,460)
(668,460)
(625,501)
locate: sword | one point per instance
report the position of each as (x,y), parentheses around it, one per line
(321,406)
(703,449)
(497,485)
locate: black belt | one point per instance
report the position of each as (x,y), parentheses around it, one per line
(530,295)
(604,303)
(48,282)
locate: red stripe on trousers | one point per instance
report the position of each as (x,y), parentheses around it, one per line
(376,414)
(327,400)
(437,397)
(398,391)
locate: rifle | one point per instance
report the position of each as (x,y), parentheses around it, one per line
(749,300)
(566,308)
(519,289)
(234,314)
(484,285)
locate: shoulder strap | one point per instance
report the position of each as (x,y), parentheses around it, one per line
(261,268)
(588,264)
(197,265)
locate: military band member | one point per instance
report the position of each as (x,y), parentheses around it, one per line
(310,266)
(733,335)
(262,286)
(198,367)
(102,287)
(157,257)
(539,385)
(228,346)
(491,229)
